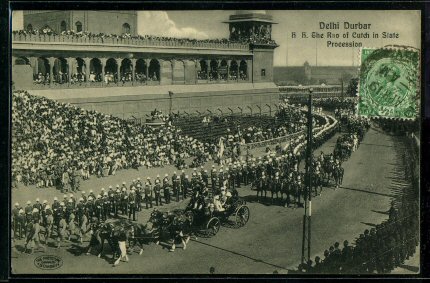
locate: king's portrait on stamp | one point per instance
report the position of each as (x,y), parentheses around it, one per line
(213,142)
(389,83)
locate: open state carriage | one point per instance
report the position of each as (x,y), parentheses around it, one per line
(169,227)
(207,221)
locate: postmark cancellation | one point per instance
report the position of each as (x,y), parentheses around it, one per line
(389,83)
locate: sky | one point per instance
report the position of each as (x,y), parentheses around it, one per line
(292,52)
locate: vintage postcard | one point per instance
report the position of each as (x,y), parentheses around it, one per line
(215,142)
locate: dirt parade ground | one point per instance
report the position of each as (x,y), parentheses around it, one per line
(270,241)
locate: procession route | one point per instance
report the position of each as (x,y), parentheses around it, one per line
(270,241)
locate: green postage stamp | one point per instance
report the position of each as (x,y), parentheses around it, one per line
(389,83)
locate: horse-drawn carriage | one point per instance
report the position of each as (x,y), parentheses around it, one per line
(207,221)
(169,227)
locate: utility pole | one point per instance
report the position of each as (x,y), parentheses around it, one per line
(306,241)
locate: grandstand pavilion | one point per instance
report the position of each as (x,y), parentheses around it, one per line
(70,57)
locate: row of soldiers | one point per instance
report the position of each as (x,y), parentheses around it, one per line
(127,201)
(379,249)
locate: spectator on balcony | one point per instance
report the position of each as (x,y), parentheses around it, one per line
(154,77)
(40,79)
(92,77)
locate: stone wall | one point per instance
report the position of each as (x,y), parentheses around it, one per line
(130,102)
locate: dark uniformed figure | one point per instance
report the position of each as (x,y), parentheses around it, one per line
(157,193)
(266,185)
(106,206)
(346,258)
(116,202)
(28,212)
(148,195)
(260,183)
(84,196)
(61,213)
(38,206)
(69,209)
(80,208)
(98,207)
(55,205)
(124,201)
(275,187)
(90,208)
(91,194)
(176,186)
(139,195)
(231,178)
(43,213)
(132,205)
(16,224)
(21,222)
(317,269)
(166,189)
(111,196)
(205,177)
(185,185)
(336,255)
(49,226)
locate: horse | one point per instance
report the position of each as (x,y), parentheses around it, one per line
(338,175)
(109,232)
(326,169)
(140,234)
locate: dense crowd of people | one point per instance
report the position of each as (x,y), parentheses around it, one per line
(101,144)
(58,144)
(337,103)
(74,216)
(86,34)
(53,141)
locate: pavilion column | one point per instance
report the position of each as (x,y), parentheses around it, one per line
(35,64)
(87,70)
(147,62)
(51,70)
(228,70)
(133,71)
(248,70)
(103,63)
(69,61)
(237,74)
(208,68)
(118,70)
(196,71)
(217,70)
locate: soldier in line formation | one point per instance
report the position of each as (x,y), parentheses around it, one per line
(379,249)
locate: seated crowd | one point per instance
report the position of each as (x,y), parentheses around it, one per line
(51,138)
(87,34)
(65,139)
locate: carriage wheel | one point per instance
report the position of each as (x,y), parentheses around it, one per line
(242,216)
(213,226)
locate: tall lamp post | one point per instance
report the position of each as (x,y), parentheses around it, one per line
(306,241)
